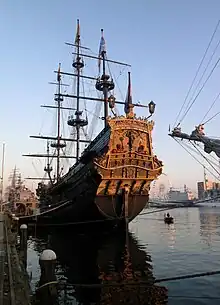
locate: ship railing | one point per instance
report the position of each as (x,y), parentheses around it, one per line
(89,147)
(133,155)
(96,139)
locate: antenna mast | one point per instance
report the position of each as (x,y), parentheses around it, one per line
(205,179)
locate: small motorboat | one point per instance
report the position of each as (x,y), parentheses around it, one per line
(168,219)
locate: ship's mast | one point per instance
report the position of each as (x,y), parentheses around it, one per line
(59,99)
(78,65)
(48,168)
(105,87)
(104,84)
(58,145)
(78,122)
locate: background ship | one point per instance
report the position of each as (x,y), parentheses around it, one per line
(112,177)
(181,198)
(18,198)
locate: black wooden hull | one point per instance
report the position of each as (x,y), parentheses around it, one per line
(93,192)
(82,206)
(87,210)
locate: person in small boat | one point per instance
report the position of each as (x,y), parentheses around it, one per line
(168,215)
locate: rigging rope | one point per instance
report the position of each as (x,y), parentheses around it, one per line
(202,60)
(211,118)
(203,73)
(206,159)
(217,97)
(157,211)
(199,153)
(200,90)
(195,158)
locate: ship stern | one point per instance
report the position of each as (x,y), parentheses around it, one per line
(127,168)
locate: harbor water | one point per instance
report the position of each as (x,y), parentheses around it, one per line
(152,250)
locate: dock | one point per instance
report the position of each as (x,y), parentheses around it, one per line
(14,286)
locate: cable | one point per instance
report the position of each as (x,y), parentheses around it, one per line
(145,283)
(206,67)
(210,108)
(211,118)
(188,276)
(197,151)
(207,160)
(193,297)
(195,158)
(197,71)
(161,210)
(200,90)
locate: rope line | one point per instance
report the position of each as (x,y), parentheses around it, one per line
(210,108)
(160,210)
(211,118)
(47,284)
(206,159)
(194,157)
(140,283)
(202,60)
(188,276)
(198,152)
(200,90)
(201,78)
(193,297)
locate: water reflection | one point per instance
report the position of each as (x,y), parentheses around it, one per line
(172,235)
(92,259)
(209,224)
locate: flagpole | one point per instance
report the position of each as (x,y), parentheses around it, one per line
(3,164)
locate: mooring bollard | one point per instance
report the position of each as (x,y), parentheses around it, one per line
(14,229)
(23,244)
(47,290)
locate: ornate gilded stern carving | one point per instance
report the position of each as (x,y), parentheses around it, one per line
(129,159)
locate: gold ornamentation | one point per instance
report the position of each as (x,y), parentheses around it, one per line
(129,158)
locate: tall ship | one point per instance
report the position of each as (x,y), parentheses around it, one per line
(18,198)
(111,178)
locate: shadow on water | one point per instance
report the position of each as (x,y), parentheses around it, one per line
(101,259)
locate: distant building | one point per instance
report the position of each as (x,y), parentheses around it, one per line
(201,189)
(210,189)
(209,185)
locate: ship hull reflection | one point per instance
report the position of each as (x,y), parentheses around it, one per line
(106,261)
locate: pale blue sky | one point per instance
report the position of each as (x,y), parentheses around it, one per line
(163,40)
